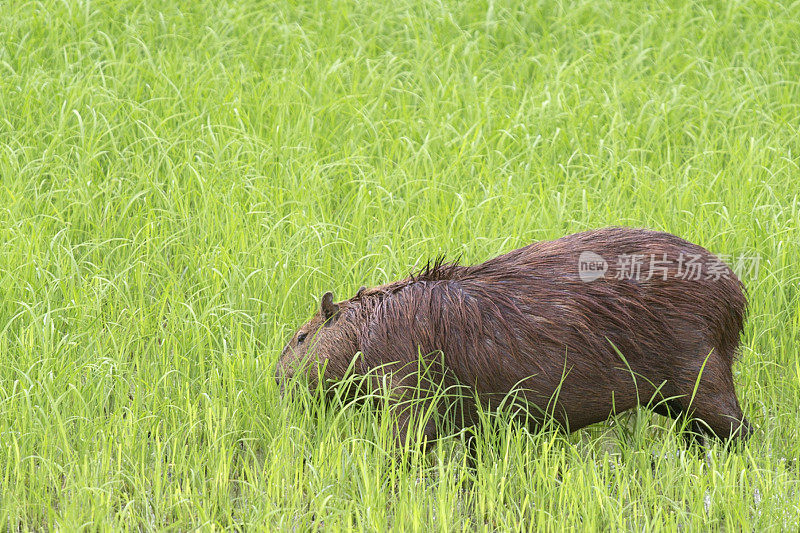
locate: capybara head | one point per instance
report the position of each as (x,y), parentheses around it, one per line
(302,347)
(327,342)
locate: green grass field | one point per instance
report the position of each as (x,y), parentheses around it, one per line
(182,181)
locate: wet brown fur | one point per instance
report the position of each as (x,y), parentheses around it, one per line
(580,351)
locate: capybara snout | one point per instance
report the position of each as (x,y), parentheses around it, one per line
(591,324)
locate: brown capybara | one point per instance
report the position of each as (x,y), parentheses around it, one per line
(584,326)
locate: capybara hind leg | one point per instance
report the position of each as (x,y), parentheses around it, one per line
(715,409)
(404,420)
(721,417)
(712,402)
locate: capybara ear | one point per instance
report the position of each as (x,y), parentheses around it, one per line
(327,306)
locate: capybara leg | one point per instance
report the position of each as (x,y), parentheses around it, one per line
(416,405)
(721,417)
(413,418)
(404,419)
(714,405)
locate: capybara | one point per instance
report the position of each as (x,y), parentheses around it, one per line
(583,327)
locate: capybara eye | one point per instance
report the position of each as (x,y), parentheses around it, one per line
(301,337)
